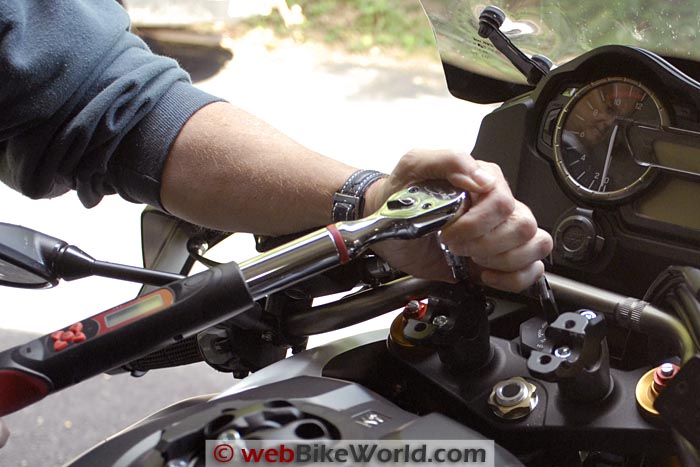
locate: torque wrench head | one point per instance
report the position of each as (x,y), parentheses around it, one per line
(422,208)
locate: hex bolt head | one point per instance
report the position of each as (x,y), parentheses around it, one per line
(510,394)
(513,399)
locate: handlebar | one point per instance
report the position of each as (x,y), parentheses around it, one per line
(187,306)
(629,312)
(170,314)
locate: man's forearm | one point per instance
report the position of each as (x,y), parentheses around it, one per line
(228,170)
(231,171)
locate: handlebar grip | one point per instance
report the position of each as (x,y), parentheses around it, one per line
(167,315)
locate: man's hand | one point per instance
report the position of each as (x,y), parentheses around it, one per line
(230,171)
(498,233)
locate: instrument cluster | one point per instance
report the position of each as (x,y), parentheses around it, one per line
(594,155)
(610,164)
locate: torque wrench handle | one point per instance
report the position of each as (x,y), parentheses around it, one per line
(114,337)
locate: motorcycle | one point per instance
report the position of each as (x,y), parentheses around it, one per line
(596,365)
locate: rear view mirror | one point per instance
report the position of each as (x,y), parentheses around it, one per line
(26,257)
(32,260)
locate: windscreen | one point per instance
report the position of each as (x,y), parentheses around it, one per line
(562,30)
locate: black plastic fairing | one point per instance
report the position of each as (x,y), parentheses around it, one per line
(473,87)
(418,382)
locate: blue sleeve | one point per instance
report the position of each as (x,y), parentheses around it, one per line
(84,104)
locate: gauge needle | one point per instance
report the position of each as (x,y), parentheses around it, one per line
(608,158)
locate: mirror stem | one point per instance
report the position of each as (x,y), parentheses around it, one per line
(72,263)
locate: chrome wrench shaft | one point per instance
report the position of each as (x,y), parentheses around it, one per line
(413,212)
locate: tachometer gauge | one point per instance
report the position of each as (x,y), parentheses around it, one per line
(593,155)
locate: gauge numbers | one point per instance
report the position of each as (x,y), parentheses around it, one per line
(592,152)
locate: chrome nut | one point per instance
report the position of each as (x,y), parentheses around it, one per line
(513,399)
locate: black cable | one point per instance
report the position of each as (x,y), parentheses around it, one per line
(670,289)
(196,247)
(688,453)
(690,304)
(680,312)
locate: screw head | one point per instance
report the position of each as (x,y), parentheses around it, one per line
(588,314)
(176,463)
(667,369)
(440,320)
(412,309)
(202,248)
(562,352)
(267,336)
(229,435)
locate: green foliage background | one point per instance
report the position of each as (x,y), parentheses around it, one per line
(359,25)
(563,29)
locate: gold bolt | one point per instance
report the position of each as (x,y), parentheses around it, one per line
(513,399)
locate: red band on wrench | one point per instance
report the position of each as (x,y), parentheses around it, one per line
(339,243)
